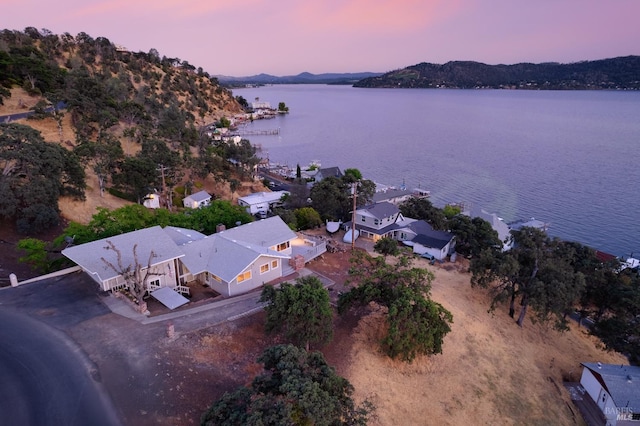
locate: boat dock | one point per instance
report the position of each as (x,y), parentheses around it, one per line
(245,132)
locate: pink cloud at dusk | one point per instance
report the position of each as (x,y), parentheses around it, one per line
(246,37)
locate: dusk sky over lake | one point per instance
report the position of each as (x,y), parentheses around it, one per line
(287,37)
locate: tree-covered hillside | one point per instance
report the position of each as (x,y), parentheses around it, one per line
(616,73)
(158,107)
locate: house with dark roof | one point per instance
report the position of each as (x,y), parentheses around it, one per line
(384,219)
(615,389)
(328,171)
(376,221)
(421,236)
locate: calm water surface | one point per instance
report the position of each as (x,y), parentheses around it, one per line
(569,158)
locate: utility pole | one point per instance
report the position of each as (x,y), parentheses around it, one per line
(167,199)
(354,192)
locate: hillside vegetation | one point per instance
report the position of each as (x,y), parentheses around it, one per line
(616,73)
(124,116)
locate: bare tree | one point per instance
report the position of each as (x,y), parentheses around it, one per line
(135,275)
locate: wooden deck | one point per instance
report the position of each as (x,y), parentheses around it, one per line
(591,413)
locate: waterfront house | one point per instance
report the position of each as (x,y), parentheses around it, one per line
(421,236)
(326,172)
(384,219)
(231,261)
(392,195)
(198,200)
(376,221)
(615,389)
(150,248)
(498,225)
(261,202)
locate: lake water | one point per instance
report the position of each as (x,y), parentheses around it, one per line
(569,158)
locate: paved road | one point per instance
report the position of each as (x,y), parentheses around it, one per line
(22,115)
(46,379)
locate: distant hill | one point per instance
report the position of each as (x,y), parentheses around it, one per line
(616,73)
(302,78)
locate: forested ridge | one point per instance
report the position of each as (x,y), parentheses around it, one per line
(615,73)
(110,97)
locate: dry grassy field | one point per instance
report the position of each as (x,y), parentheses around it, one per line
(490,372)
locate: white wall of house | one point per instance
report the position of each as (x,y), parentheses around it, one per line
(262,271)
(439,254)
(163,274)
(373,222)
(216,283)
(256,207)
(599,395)
(152,201)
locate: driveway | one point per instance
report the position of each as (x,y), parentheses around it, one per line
(150,375)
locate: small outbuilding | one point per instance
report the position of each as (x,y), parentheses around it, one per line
(198,200)
(261,202)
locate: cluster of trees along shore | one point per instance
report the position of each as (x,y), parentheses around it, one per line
(159,106)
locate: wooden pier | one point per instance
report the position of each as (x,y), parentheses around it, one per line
(265,132)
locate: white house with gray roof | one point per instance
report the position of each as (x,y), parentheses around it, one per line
(384,219)
(376,221)
(615,389)
(421,236)
(151,248)
(232,261)
(197,200)
(261,202)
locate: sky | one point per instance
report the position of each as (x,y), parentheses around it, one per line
(286,37)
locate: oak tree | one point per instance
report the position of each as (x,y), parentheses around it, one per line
(301,311)
(416,324)
(296,388)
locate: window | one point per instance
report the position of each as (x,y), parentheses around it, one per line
(274,264)
(376,222)
(282,246)
(244,276)
(215,277)
(364,219)
(155,283)
(264,268)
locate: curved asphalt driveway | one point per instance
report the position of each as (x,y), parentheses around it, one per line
(45,379)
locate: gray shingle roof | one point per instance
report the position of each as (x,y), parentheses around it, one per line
(429,237)
(381,210)
(199,196)
(183,236)
(262,233)
(388,194)
(224,254)
(330,171)
(90,255)
(222,257)
(621,381)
